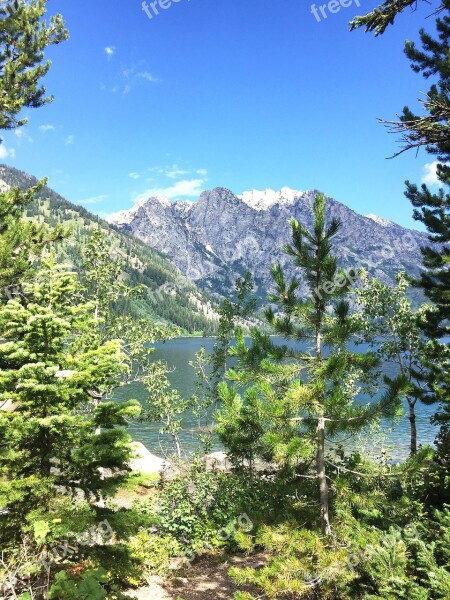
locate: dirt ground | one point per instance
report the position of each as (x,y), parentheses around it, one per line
(207,579)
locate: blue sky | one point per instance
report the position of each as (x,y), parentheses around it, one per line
(246,95)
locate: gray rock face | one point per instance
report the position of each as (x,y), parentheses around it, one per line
(221,236)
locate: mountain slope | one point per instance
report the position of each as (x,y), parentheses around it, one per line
(221,236)
(170,297)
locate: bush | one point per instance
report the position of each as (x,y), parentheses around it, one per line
(91,585)
(195,508)
(153,554)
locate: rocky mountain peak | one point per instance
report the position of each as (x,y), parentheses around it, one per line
(125,217)
(217,196)
(221,236)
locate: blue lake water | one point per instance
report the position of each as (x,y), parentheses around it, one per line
(179,352)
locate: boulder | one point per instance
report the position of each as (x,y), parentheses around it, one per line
(149,464)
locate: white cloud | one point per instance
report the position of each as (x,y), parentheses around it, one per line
(429,176)
(147,76)
(186,188)
(174,172)
(6,152)
(174,181)
(21,134)
(70,140)
(130,77)
(110,51)
(94,199)
(45,128)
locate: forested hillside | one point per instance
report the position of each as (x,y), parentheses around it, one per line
(169,295)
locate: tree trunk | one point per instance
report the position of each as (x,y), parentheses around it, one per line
(321,476)
(413,427)
(176,439)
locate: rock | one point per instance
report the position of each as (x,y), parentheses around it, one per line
(218,461)
(177,563)
(147,463)
(154,591)
(179,581)
(169,472)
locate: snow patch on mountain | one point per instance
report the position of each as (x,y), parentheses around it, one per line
(380,221)
(264,199)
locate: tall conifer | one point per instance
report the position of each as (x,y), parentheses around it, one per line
(296,399)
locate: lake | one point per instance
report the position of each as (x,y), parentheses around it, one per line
(179,352)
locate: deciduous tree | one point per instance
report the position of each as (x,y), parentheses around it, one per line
(391,326)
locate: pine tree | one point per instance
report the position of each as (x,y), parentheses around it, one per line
(21,240)
(23,38)
(296,399)
(432,132)
(433,210)
(383,15)
(50,367)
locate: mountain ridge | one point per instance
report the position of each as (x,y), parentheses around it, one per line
(221,236)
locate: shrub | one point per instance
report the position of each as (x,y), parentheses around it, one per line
(91,585)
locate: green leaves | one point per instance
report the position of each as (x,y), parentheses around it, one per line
(41,530)
(393,328)
(93,585)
